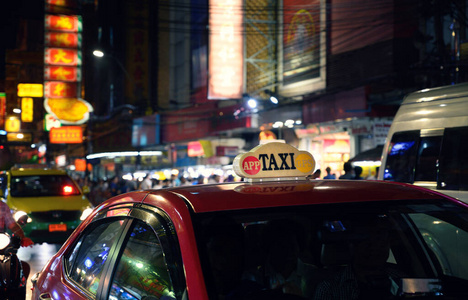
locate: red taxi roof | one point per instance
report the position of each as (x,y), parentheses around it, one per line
(244,195)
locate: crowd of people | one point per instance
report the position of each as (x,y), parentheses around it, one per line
(350,172)
(103,189)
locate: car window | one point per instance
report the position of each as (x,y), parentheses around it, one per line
(447,241)
(142,269)
(43,185)
(86,261)
(305,250)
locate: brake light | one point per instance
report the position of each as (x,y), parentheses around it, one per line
(67,190)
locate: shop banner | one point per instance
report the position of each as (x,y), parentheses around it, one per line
(226,57)
(62,73)
(62,57)
(65,23)
(63,39)
(66,135)
(57,89)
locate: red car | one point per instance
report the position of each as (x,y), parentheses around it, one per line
(276,235)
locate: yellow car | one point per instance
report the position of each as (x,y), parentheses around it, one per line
(53,201)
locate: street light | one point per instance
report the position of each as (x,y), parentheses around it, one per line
(99,54)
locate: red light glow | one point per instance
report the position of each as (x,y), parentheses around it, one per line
(67,190)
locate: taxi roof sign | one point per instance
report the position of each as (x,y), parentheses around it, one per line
(274,161)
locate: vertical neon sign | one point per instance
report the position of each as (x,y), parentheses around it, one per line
(226,50)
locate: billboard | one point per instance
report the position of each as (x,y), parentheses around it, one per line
(302,47)
(226,52)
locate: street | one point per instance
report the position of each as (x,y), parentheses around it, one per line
(37,256)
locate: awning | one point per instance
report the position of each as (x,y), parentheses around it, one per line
(373,154)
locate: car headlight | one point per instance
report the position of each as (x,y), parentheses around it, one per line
(85,213)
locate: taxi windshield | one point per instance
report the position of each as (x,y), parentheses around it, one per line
(43,185)
(388,248)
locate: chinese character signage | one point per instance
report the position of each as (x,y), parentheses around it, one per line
(66,23)
(66,135)
(62,56)
(27,106)
(226,50)
(12,124)
(62,63)
(63,39)
(58,89)
(30,90)
(62,73)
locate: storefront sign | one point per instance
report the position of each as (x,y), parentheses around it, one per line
(66,135)
(19,137)
(227,151)
(30,90)
(27,109)
(57,89)
(66,23)
(62,57)
(226,49)
(62,73)
(12,124)
(199,148)
(63,39)
(51,122)
(2,109)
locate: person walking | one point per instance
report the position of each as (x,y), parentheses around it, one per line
(329,174)
(348,168)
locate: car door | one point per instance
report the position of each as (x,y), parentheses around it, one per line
(127,253)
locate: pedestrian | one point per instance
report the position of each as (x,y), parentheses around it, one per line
(329,174)
(147,183)
(348,168)
(357,173)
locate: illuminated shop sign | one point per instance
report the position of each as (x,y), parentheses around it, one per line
(62,73)
(30,90)
(63,39)
(12,124)
(66,135)
(51,122)
(57,89)
(68,110)
(27,106)
(66,23)
(226,50)
(62,57)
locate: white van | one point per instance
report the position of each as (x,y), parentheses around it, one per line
(427,144)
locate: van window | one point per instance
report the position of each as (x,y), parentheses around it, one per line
(441,159)
(401,156)
(428,159)
(453,172)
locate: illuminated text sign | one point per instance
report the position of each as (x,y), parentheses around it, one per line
(226,50)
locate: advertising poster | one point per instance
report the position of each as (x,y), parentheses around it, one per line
(303,41)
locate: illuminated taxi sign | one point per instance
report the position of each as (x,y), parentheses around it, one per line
(274,160)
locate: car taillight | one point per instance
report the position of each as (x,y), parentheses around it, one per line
(68,189)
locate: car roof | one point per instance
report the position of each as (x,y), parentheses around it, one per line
(242,195)
(36,171)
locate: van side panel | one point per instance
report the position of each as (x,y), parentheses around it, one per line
(438,108)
